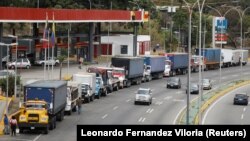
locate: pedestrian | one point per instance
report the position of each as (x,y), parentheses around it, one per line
(13,125)
(6,124)
(79,105)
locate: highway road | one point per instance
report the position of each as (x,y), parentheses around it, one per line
(223,111)
(118,107)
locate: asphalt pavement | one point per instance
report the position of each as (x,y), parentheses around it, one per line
(224,112)
(118,107)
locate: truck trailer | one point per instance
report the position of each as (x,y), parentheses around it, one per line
(134,68)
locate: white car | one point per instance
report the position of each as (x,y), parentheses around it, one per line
(143,95)
(20,63)
(49,61)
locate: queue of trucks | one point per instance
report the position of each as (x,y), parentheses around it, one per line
(46,101)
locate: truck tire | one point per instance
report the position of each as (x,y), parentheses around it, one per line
(20,130)
(62,115)
(46,130)
(105,93)
(87,99)
(98,96)
(69,112)
(92,97)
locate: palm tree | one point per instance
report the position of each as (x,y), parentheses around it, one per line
(61,59)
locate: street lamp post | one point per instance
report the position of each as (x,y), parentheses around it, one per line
(200,7)
(190,11)
(7,78)
(196,42)
(90,4)
(135,4)
(12,36)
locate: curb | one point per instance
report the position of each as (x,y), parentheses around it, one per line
(217,96)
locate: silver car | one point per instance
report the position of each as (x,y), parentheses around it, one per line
(206,83)
(143,95)
(20,63)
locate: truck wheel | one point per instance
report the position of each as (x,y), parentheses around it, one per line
(98,96)
(20,130)
(117,88)
(93,97)
(46,130)
(105,92)
(70,111)
(88,99)
(61,116)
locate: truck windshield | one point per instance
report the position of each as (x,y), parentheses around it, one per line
(35,106)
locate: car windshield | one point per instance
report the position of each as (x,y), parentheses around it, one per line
(141,91)
(240,95)
(173,79)
(206,81)
(194,86)
(35,105)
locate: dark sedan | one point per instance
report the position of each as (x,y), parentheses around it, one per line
(174,82)
(194,89)
(241,99)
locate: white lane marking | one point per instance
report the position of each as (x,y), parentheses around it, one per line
(148,110)
(143,119)
(235,75)
(242,116)
(103,117)
(140,119)
(223,77)
(176,118)
(179,92)
(244,109)
(151,111)
(153,98)
(35,139)
(6,139)
(158,102)
(115,107)
(128,100)
(246,73)
(178,100)
(167,97)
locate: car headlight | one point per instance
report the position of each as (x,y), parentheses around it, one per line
(44,119)
(22,118)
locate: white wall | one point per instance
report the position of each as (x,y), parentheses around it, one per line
(119,40)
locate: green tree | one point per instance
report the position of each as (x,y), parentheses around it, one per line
(11,85)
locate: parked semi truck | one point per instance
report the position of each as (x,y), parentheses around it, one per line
(154,67)
(196,61)
(105,73)
(134,68)
(177,62)
(73,94)
(44,103)
(119,73)
(212,57)
(88,81)
(244,54)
